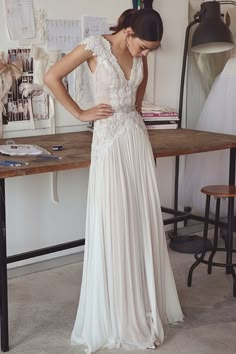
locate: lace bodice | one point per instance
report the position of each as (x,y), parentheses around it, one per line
(109,85)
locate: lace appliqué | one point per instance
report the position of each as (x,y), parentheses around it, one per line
(109,85)
(84,93)
(105,136)
(94,44)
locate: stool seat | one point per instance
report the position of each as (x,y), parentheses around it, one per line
(220,190)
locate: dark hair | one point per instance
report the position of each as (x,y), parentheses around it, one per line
(146,24)
(124,20)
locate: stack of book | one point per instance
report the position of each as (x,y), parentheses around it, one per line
(159,117)
(155,117)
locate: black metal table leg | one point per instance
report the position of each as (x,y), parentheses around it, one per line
(183,243)
(176,191)
(229,243)
(3,293)
(230,207)
(3,273)
(204,242)
(232,167)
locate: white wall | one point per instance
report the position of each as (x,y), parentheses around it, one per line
(33,219)
(167,79)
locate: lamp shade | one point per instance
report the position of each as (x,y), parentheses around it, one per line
(211,35)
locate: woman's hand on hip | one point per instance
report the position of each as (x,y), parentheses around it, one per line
(101,111)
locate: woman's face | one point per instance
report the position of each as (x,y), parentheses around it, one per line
(139,47)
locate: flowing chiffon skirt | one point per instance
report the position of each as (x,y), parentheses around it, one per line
(128,291)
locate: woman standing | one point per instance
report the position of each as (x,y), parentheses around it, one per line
(128,291)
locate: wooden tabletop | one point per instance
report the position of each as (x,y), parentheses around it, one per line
(77,148)
(176,142)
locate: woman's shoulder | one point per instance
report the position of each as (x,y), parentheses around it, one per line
(95,44)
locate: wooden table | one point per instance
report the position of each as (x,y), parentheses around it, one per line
(77,148)
(76,154)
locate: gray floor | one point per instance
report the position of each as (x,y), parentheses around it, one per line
(42,307)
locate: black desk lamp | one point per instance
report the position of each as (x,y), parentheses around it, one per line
(211,36)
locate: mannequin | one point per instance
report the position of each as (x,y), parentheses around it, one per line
(218,115)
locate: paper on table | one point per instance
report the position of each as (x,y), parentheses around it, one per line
(22,149)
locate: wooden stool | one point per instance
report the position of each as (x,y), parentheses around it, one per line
(218,191)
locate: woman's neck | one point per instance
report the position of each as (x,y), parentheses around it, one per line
(118,40)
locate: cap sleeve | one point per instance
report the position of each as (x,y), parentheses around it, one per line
(94,44)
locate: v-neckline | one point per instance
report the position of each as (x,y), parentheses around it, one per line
(116,61)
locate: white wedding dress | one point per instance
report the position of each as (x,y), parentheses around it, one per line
(218,115)
(128,291)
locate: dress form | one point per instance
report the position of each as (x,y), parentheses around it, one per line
(217,115)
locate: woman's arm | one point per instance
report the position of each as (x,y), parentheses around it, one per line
(53,79)
(142,87)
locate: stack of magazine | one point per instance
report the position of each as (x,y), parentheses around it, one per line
(155,117)
(159,117)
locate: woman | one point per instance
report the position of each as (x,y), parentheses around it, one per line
(128,291)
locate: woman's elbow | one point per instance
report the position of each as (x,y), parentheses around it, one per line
(47,78)
(51,80)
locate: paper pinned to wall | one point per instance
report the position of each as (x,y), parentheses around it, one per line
(39,102)
(20,19)
(93,25)
(40,16)
(63,35)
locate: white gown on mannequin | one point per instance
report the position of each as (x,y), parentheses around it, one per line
(218,115)
(128,290)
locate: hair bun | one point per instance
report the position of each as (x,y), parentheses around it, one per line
(147,24)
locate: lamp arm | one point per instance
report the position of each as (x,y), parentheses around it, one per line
(184,61)
(181,95)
